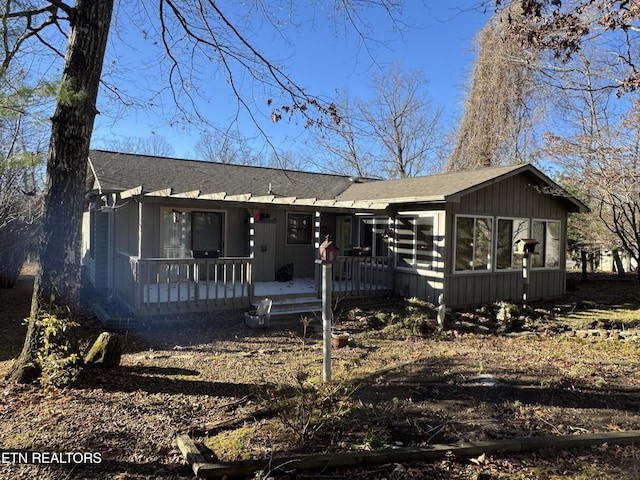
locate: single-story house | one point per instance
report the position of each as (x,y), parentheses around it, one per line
(165,235)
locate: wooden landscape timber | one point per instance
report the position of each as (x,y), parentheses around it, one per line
(203,469)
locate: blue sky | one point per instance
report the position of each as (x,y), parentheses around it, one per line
(439,42)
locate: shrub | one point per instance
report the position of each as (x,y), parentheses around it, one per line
(57,354)
(307,407)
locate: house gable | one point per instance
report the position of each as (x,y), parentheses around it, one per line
(451,187)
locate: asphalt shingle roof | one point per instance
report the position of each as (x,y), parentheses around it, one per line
(117,172)
(433,187)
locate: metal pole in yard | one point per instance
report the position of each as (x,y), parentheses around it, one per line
(326,320)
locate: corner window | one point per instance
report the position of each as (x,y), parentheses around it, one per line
(473,243)
(414,241)
(299,228)
(510,232)
(374,237)
(547,233)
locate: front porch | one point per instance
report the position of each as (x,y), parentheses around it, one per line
(161,286)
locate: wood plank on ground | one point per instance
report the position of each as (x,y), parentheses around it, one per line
(203,469)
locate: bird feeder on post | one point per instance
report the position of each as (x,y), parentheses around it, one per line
(526,247)
(328,250)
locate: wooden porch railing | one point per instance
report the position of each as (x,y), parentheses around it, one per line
(157,286)
(169,285)
(362,276)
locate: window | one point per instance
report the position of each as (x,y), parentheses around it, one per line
(186,232)
(299,228)
(509,232)
(206,233)
(414,241)
(343,234)
(374,237)
(548,250)
(473,243)
(177,234)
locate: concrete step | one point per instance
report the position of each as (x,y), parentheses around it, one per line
(114,322)
(296,305)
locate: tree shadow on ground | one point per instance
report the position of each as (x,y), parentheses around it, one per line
(427,403)
(435,382)
(153,380)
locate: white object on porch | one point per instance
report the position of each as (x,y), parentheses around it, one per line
(260,316)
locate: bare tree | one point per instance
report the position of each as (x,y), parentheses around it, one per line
(155,145)
(226,146)
(563,28)
(404,123)
(23,133)
(341,147)
(597,146)
(398,132)
(499,111)
(193,34)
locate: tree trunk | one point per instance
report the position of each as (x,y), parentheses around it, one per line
(58,281)
(617,262)
(583,263)
(106,350)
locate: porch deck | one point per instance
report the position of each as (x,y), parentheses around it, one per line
(164,286)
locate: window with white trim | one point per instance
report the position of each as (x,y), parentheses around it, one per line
(473,240)
(509,232)
(547,233)
(299,228)
(414,241)
(374,236)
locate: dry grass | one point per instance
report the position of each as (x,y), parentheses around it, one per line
(571,371)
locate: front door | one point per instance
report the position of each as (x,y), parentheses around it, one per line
(264,258)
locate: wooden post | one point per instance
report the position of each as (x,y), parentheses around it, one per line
(525,277)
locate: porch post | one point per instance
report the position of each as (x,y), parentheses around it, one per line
(252,243)
(391,257)
(140,227)
(316,243)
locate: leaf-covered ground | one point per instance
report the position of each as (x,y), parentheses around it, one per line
(569,368)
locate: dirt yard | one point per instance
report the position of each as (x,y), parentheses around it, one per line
(568,368)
